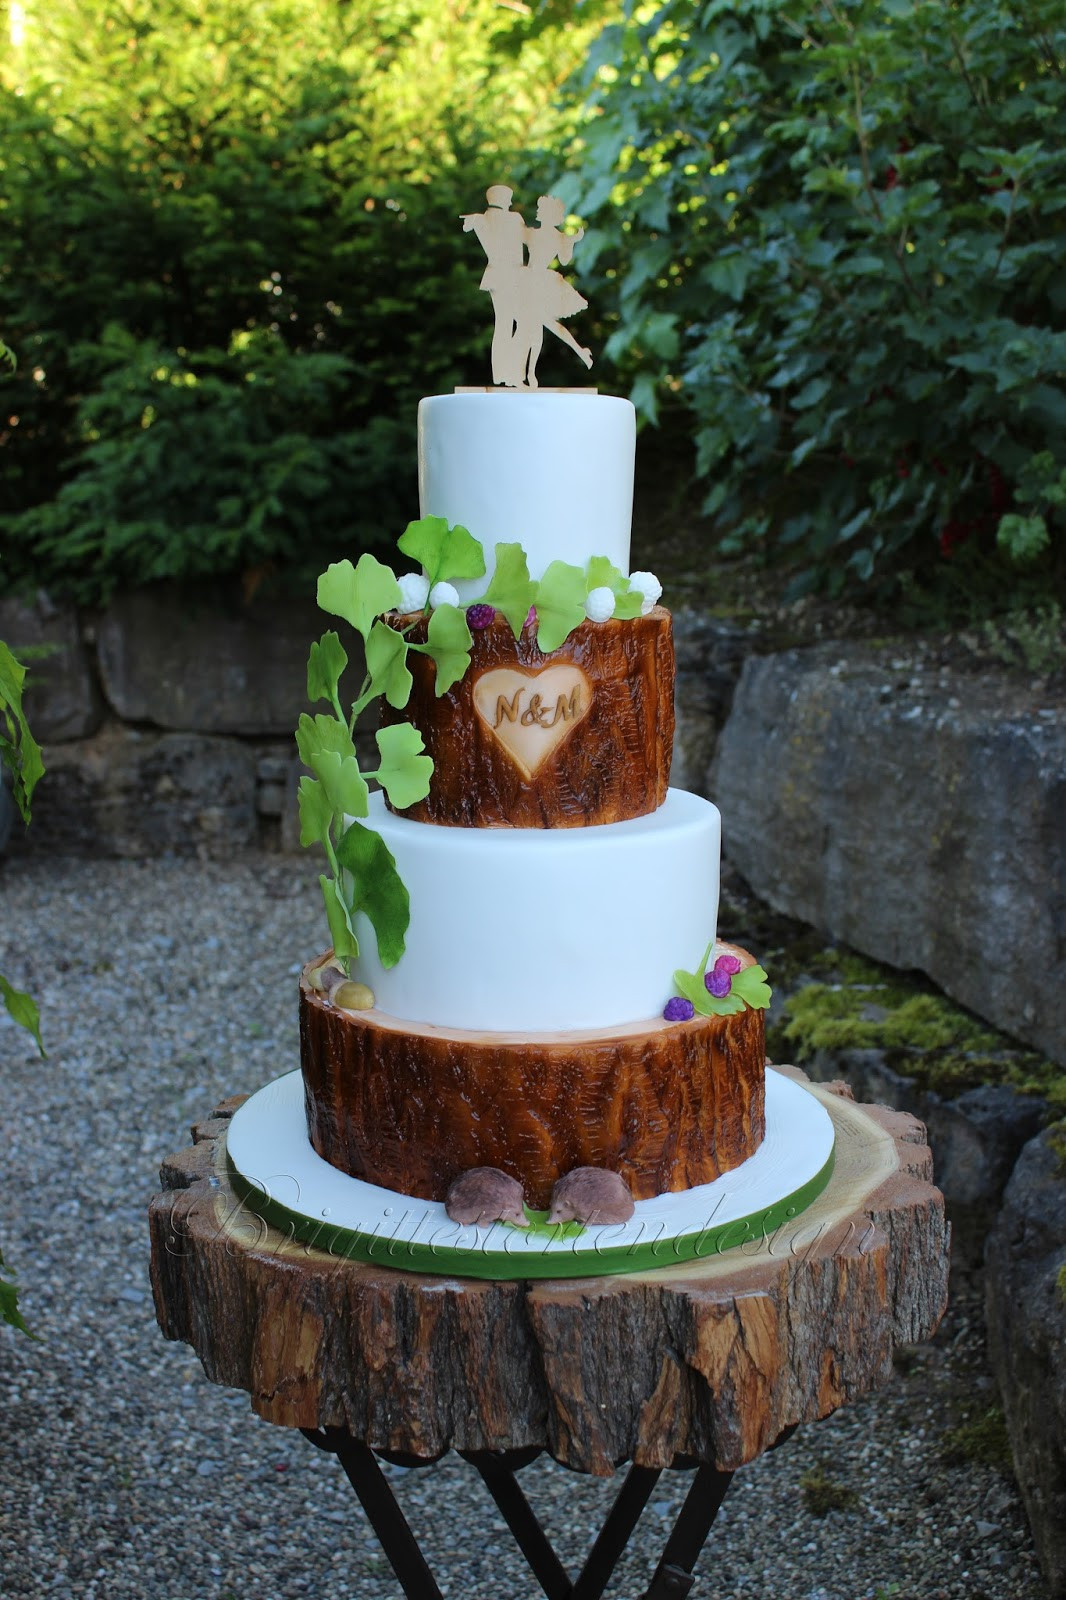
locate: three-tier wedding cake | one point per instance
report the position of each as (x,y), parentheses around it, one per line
(556,884)
(527,1053)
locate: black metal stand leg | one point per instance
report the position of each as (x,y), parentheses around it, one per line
(672,1579)
(616,1532)
(673,1576)
(521,1519)
(385,1517)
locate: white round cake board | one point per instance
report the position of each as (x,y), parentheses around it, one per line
(285,1183)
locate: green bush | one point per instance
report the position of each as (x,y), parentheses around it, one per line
(832,234)
(231,264)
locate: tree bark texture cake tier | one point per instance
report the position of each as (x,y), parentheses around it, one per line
(579,736)
(520,914)
(668,1107)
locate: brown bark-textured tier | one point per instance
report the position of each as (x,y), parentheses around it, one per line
(709,1361)
(526,740)
(667,1105)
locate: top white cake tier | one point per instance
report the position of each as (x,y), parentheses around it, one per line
(551,472)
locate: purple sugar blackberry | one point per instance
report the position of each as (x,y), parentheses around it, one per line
(718,983)
(678,1010)
(727,964)
(480,616)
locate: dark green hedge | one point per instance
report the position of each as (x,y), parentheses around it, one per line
(833,237)
(230,265)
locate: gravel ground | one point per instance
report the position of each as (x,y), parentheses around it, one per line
(166,986)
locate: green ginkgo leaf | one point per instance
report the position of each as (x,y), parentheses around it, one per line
(344,784)
(751,985)
(360,593)
(378,889)
(448,641)
(386,662)
(325,665)
(603,574)
(511,589)
(560,603)
(316,813)
(628,605)
(444,553)
(318,733)
(405,769)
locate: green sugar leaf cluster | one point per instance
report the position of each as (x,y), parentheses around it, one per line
(444,553)
(511,589)
(334,795)
(748,988)
(562,591)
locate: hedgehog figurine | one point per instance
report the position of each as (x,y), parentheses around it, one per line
(591,1195)
(484,1195)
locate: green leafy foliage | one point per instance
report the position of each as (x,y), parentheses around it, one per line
(748,988)
(232,264)
(22,1009)
(343,784)
(511,589)
(377,889)
(560,602)
(19,751)
(9,1308)
(603,574)
(444,553)
(20,755)
(829,240)
(386,664)
(358,594)
(325,665)
(405,769)
(448,641)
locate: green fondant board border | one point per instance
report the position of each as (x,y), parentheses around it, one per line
(279,1178)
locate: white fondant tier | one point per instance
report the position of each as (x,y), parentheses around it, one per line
(551,472)
(524,929)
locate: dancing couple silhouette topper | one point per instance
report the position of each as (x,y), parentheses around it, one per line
(528,295)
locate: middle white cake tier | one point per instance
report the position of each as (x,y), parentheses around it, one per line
(517,930)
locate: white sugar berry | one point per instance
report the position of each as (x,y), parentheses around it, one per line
(443,594)
(600,605)
(649,586)
(414,591)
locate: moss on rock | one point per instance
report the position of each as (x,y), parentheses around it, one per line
(841,1001)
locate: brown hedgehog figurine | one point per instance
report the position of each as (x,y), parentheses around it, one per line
(591,1195)
(485,1195)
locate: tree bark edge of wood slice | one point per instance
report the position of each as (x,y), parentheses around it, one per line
(701,1362)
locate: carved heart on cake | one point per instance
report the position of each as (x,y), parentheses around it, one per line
(531,713)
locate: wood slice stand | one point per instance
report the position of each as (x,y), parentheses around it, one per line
(706,1364)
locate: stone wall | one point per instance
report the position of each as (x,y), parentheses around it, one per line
(914,811)
(166,720)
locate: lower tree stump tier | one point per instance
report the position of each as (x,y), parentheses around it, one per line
(668,1106)
(701,1362)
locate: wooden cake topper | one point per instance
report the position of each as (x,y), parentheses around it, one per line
(528,295)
